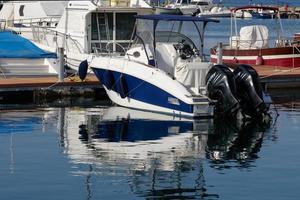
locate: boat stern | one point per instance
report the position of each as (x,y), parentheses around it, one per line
(203,107)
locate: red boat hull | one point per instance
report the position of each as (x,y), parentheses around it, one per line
(281,56)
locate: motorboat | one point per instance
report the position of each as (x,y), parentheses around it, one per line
(162,71)
(255,12)
(215,12)
(165,71)
(252,45)
(189,7)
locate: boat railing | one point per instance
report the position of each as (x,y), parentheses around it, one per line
(100,51)
(108,50)
(110,3)
(110,53)
(42,31)
(27,22)
(55,39)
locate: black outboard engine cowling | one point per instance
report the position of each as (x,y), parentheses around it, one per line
(249,91)
(221,87)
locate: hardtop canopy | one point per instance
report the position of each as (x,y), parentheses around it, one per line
(166,17)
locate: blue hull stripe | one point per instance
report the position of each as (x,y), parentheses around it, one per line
(141,90)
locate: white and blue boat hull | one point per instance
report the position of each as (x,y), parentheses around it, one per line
(146,88)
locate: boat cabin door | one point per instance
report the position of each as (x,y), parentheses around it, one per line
(110,31)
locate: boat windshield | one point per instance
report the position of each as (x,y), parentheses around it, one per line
(174,37)
(152,29)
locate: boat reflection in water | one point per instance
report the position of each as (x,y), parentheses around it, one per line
(238,142)
(162,156)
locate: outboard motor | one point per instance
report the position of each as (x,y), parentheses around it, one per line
(249,91)
(221,87)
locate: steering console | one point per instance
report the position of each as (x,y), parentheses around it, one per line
(185,50)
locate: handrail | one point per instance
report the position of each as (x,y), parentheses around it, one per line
(112,42)
(55,33)
(37,29)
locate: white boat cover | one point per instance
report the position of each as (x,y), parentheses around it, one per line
(253,37)
(191,74)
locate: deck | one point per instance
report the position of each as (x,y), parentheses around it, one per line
(45,91)
(44,82)
(278,77)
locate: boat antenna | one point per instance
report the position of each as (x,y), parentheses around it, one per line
(281,34)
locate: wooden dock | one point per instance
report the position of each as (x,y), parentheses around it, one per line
(47,90)
(45,82)
(278,77)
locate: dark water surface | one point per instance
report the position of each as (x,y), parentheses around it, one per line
(117,153)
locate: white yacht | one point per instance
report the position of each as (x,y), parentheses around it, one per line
(189,7)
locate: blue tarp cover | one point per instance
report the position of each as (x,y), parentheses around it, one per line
(15,46)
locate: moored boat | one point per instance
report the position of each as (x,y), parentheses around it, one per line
(20,57)
(189,7)
(163,71)
(252,45)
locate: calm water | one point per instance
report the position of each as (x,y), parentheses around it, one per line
(117,153)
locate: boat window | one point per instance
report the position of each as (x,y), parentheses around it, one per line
(102,26)
(21,10)
(124,25)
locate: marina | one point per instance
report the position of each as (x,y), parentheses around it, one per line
(130,99)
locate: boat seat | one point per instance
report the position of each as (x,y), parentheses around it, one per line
(166,55)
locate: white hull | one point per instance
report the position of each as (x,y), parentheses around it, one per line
(150,89)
